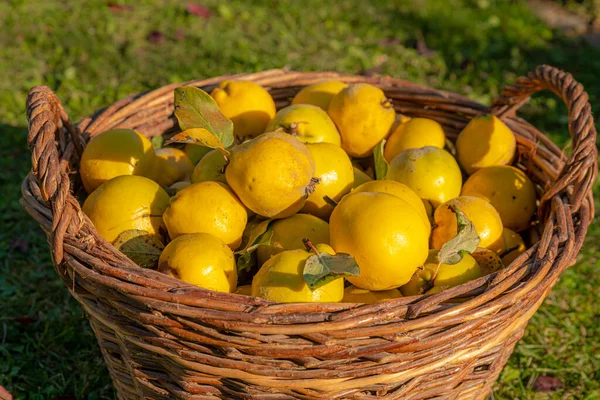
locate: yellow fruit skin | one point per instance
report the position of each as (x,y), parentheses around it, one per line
(195,152)
(414,134)
(399,190)
(248,105)
(385,235)
(334,169)
(511,240)
(169,166)
(489,261)
(482,214)
(308,123)
(509,190)
(200,259)
(484,142)
(352,294)
(207,207)
(270,174)
(360,177)
(453,275)
(281,279)
(401,118)
(114,153)
(210,168)
(431,172)
(447,275)
(320,94)
(289,232)
(363,117)
(127,202)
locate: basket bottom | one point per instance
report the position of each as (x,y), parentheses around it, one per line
(471,379)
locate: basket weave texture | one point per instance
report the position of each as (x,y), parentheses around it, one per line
(162,339)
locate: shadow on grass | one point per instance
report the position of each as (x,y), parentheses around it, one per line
(46,345)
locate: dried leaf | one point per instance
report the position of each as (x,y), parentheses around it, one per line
(4,395)
(22,245)
(547,384)
(381,164)
(322,268)
(157,142)
(199,10)
(141,247)
(199,136)
(422,48)
(155,37)
(25,320)
(465,241)
(194,108)
(117,8)
(259,235)
(390,41)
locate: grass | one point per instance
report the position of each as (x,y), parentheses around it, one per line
(93,54)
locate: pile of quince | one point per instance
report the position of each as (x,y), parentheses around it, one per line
(335,197)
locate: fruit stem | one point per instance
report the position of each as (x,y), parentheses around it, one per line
(310,246)
(387,103)
(330,201)
(293,129)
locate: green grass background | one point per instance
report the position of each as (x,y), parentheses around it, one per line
(92,54)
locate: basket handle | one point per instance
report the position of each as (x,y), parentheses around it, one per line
(51,152)
(581,167)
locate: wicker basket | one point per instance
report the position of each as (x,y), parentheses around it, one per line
(162,339)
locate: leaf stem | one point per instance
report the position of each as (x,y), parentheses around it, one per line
(310,246)
(330,201)
(436,272)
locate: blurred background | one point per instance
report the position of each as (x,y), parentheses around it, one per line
(94,52)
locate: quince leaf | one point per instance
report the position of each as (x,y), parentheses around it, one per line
(323,268)
(381,164)
(199,136)
(194,108)
(260,234)
(141,247)
(465,241)
(157,142)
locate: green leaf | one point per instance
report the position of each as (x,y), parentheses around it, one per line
(140,246)
(465,241)
(157,142)
(381,164)
(323,268)
(199,136)
(194,108)
(259,235)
